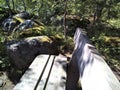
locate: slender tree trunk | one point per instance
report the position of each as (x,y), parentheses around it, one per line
(99,13)
(109,9)
(39,8)
(24,5)
(99,8)
(8,4)
(94,18)
(64,18)
(13,4)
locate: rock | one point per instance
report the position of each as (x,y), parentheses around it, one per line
(17,22)
(24,15)
(1,83)
(25,25)
(9,24)
(23,52)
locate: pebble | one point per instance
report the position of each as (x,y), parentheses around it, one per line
(1,83)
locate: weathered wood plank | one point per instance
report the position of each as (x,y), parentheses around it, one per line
(31,76)
(45,73)
(57,79)
(54,77)
(42,83)
(94,73)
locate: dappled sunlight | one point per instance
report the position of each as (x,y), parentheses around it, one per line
(37,51)
(45,73)
(57,79)
(31,76)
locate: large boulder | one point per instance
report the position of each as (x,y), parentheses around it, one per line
(24,51)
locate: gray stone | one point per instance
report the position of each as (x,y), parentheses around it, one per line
(23,52)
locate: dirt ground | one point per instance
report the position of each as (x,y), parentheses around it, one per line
(6,83)
(8,79)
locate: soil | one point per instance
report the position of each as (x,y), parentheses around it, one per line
(6,84)
(9,79)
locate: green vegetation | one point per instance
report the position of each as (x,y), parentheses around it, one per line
(4,63)
(103,30)
(107,41)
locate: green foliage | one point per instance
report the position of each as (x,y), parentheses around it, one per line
(106,40)
(4,63)
(50,12)
(2,40)
(115,22)
(68,45)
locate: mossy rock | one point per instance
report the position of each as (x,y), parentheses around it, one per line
(35,31)
(23,52)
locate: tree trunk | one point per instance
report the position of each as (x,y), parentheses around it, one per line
(64,18)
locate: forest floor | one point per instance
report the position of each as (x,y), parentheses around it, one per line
(6,83)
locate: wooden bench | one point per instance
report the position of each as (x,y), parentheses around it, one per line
(47,72)
(89,67)
(87,70)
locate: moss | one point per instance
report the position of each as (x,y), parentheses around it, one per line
(19,19)
(112,39)
(36,31)
(41,39)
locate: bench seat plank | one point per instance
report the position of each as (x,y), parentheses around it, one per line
(41,84)
(31,76)
(46,72)
(57,80)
